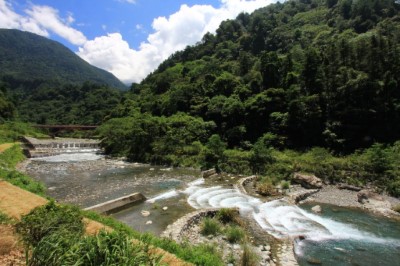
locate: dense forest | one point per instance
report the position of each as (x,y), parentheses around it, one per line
(42,81)
(27,57)
(293,75)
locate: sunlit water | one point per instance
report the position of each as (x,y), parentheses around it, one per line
(338,236)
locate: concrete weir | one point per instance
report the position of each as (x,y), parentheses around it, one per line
(48,147)
(119,204)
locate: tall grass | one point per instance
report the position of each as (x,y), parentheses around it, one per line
(210,226)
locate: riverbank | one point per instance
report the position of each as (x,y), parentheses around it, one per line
(381,204)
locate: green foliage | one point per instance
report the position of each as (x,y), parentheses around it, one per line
(210,226)
(4,219)
(285,184)
(234,234)
(266,187)
(23,181)
(11,131)
(30,57)
(49,219)
(10,157)
(54,235)
(226,215)
(199,254)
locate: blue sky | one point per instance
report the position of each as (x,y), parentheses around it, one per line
(129,38)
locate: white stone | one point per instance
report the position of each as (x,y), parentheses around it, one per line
(149,222)
(165,208)
(145,213)
(316,209)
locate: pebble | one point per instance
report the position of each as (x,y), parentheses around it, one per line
(149,222)
(165,208)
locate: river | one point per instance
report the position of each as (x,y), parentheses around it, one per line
(338,236)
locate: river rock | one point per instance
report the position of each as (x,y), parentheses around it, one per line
(145,213)
(165,208)
(316,209)
(366,195)
(307,181)
(149,222)
(208,173)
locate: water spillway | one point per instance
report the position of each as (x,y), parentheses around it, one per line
(34,148)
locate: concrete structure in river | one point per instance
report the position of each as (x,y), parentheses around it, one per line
(47,147)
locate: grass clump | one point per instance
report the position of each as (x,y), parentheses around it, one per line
(54,235)
(50,219)
(226,215)
(234,234)
(210,226)
(4,219)
(249,258)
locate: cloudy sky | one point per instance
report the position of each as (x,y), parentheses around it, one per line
(129,38)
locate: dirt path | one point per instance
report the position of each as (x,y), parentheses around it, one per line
(5,146)
(16,202)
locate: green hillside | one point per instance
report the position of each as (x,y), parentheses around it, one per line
(26,57)
(284,89)
(311,72)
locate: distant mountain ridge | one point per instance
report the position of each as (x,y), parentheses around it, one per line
(27,56)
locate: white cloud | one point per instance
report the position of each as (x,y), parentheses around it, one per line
(48,18)
(40,20)
(11,20)
(111,52)
(185,27)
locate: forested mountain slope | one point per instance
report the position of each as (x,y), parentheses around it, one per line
(269,88)
(26,57)
(312,72)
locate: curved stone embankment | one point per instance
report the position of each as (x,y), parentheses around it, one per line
(241,183)
(178,229)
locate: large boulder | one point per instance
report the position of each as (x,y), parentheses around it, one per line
(307,181)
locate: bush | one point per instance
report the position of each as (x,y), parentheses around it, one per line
(48,219)
(4,219)
(266,188)
(226,215)
(285,184)
(234,234)
(210,226)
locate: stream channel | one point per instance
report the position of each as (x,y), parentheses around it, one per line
(338,236)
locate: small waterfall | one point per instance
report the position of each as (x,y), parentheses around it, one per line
(166,195)
(278,217)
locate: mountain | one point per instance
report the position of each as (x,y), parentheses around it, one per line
(25,56)
(309,72)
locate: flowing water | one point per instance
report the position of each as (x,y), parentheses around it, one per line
(338,236)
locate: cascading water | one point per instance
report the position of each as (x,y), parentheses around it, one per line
(282,220)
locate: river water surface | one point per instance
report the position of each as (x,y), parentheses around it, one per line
(338,236)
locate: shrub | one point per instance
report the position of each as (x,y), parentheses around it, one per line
(234,234)
(285,184)
(4,219)
(210,226)
(266,188)
(48,219)
(226,215)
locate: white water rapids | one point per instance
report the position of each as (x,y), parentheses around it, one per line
(279,218)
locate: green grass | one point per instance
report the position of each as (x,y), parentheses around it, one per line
(4,219)
(234,234)
(210,226)
(11,131)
